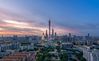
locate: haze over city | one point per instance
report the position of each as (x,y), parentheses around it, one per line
(28,17)
(49,30)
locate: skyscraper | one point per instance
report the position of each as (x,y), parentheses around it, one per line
(88,35)
(49,28)
(52,33)
(55,35)
(46,36)
(69,39)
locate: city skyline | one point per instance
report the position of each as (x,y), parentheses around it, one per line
(32,16)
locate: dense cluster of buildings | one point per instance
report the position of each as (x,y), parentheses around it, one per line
(11,45)
(24,48)
(19,56)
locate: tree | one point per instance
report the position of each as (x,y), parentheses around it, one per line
(64,57)
(40,57)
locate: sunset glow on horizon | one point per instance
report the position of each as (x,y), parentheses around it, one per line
(31,17)
(10,25)
(13,27)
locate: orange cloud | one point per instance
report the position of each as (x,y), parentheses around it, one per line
(18,33)
(1,29)
(17,24)
(13,24)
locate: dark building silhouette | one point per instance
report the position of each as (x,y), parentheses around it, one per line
(49,28)
(52,33)
(46,35)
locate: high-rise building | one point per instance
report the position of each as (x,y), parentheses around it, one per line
(88,35)
(69,34)
(46,35)
(69,38)
(55,35)
(49,28)
(52,33)
(43,37)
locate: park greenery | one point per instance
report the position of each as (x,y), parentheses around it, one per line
(44,55)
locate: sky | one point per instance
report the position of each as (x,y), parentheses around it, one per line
(30,17)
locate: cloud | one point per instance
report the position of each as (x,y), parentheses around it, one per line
(12,23)
(18,24)
(1,29)
(20,28)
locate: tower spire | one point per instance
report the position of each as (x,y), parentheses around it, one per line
(49,28)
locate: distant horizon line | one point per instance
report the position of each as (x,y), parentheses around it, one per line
(42,35)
